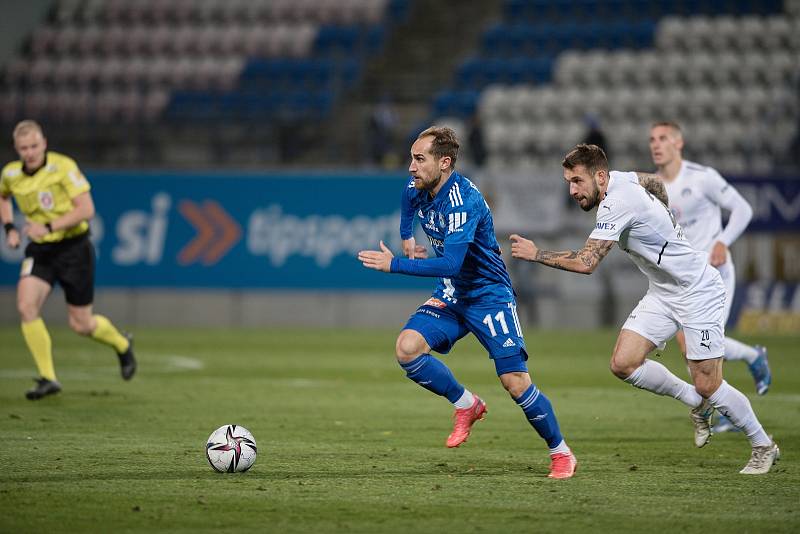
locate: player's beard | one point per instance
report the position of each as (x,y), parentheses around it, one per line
(430,185)
(593,200)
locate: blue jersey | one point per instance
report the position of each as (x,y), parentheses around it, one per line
(459,226)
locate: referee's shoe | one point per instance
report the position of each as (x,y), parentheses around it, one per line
(127,363)
(44,387)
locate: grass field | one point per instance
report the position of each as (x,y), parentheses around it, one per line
(346,443)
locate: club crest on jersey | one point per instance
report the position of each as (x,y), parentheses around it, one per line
(46,200)
(436,303)
(431,221)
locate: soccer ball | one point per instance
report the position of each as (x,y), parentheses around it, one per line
(230,449)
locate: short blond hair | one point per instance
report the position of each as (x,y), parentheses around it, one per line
(27,126)
(674,126)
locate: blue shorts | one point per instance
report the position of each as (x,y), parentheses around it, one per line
(495,325)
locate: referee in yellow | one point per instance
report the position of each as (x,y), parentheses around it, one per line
(54,196)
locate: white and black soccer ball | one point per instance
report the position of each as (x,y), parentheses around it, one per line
(231,449)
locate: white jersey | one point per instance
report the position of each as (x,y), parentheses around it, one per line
(696,198)
(646,230)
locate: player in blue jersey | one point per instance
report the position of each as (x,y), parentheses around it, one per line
(473,294)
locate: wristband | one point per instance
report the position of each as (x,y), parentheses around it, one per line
(8,227)
(49,227)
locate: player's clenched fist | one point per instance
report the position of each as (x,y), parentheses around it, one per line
(380,260)
(523,249)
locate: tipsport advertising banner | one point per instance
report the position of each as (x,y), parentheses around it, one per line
(240,231)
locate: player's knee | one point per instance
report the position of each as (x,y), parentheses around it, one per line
(516,383)
(621,368)
(28,311)
(409,346)
(706,385)
(80,325)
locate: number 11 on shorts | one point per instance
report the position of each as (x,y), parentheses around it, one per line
(500,318)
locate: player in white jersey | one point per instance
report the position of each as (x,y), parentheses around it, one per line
(697,195)
(685,293)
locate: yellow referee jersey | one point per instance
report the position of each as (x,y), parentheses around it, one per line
(47,194)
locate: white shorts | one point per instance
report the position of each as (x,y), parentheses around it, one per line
(698,315)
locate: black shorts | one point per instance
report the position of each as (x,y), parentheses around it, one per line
(69,262)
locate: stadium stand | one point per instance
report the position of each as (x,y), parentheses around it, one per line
(178,71)
(727,70)
(193,60)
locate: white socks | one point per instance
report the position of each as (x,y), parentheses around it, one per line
(465,401)
(731,403)
(654,377)
(561,448)
(736,350)
(728,401)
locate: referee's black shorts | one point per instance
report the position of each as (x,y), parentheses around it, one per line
(70,262)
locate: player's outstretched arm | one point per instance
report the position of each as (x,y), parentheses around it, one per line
(654,186)
(380,260)
(582,261)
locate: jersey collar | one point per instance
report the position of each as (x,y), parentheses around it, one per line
(33,173)
(446,187)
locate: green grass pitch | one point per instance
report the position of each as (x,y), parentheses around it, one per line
(347,443)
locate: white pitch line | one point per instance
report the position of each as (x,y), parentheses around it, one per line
(168,363)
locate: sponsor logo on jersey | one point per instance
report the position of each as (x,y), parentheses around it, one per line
(436,303)
(605,226)
(46,200)
(509,343)
(435,242)
(686,191)
(78,180)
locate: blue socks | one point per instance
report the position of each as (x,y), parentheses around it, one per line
(540,414)
(435,376)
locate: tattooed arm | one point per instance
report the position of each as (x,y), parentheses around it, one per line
(654,186)
(582,261)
